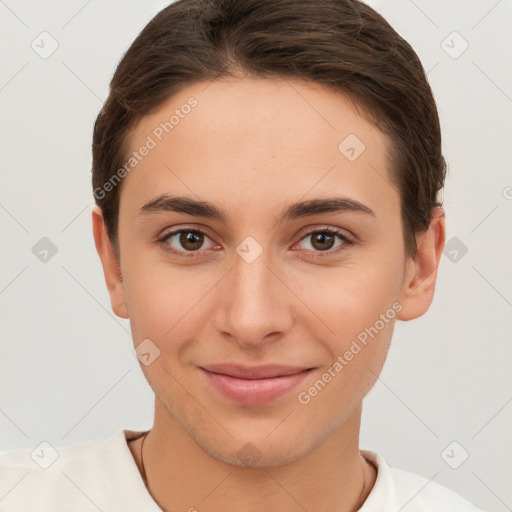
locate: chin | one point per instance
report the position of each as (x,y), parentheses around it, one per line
(255,451)
(254,455)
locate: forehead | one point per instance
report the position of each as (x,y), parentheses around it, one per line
(264,140)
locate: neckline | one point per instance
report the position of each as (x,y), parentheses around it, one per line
(136,483)
(379,494)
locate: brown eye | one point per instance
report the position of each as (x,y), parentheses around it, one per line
(191,240)
(322,241)
(186,242)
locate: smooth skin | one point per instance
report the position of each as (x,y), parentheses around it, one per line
(252,147)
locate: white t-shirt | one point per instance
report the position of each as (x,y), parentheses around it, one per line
(102,475)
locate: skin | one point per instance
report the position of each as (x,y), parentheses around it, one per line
(253,146)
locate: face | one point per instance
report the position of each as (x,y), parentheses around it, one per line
(232,274)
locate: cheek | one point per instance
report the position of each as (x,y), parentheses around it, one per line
(172,307)
(164,311)
(359,304)
(362,316)
(353,298)
(158,300)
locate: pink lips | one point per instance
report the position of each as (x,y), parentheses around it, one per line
(254,385)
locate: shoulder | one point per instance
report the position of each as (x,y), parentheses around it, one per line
(63,478)
(426,494)
(53,459)
(410,492)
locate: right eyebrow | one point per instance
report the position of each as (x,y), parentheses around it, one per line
(180,204)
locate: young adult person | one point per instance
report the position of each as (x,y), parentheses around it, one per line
(266,176)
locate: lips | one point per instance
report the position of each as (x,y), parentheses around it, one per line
(254,385)
(254,372)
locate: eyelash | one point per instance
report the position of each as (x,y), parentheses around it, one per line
(347,241)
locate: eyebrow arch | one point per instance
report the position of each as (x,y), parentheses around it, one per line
(181,204)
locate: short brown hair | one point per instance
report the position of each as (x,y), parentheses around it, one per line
(342,44)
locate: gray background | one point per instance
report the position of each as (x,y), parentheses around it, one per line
(67,371)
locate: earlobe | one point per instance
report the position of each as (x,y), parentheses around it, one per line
(110,264)
(421,271)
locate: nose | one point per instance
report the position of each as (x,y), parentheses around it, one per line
(254,306)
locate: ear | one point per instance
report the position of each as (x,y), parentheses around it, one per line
(110,263)
(421,271)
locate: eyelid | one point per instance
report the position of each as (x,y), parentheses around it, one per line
(343,233)
(347,241)
(174,230)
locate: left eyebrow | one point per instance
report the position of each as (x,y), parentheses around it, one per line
(327,205)
(181,204)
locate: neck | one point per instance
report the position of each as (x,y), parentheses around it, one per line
(182,476)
